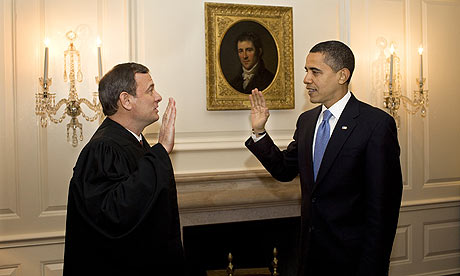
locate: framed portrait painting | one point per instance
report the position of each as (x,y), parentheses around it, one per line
(247,47)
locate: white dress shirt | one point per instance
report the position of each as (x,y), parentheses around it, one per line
(336,110)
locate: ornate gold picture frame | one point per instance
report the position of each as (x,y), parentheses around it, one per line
(224,24)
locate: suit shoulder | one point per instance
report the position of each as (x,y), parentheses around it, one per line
(375,116)
(373,111)
(314,112)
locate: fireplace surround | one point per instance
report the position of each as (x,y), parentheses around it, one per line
(246,213)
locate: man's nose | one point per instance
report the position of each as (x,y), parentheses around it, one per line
(307,78)
(158,97)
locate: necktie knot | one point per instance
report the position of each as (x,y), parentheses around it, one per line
(327,115)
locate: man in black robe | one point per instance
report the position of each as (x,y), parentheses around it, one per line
(253,73)
(122,213)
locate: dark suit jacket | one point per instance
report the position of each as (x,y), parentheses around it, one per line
(350,214)
(261,80)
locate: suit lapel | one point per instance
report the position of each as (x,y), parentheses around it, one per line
(309,133)
(342,131)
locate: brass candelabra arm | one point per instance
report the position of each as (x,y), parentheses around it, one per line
(95,106)
(46,109)
(413,106)
(420,100)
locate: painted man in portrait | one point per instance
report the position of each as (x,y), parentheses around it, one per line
(253,73)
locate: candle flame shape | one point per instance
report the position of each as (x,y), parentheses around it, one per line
(420,50)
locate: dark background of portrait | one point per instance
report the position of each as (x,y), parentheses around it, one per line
(229,61)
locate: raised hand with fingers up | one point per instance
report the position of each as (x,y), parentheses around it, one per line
(259,111)
(167,129)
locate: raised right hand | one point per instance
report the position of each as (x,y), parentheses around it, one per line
(259,111)
(167,129)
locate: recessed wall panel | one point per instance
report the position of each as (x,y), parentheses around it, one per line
(57,155)
(9,271)
(436,245)
(53,269)
(442,33)
(401,244)
(8,184)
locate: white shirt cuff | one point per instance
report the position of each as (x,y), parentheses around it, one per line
(255,139)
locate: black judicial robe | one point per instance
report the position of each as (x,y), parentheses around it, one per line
(122,214)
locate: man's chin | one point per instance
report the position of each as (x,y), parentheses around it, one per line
(155,118)
(313,98)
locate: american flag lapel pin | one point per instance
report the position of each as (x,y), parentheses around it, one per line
(344,127)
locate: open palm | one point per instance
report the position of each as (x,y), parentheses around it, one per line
(259,111)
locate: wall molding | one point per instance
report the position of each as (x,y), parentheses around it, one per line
(52,267)
(430,230)
(10,112)
(9,270)
(404,235)
(32,239)
(219,180)
(219,140)
(344,18)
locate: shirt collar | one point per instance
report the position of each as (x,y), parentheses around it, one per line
(138,137)
(337,108)
(250,71)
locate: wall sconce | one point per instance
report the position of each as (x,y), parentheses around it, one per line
(392,97)
(45,105)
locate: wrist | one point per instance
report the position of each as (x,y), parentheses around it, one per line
(259,133)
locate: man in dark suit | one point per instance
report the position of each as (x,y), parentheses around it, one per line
(253,73)
(347,155)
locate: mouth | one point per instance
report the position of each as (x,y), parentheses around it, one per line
(311,90)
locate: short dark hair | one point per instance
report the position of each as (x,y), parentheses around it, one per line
(249,36)
(117,80)
(337,55)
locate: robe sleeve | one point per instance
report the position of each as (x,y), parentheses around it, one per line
(111,196)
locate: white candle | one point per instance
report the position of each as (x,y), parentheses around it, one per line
(420,51)
(392,50)
(45,70)
(99,58)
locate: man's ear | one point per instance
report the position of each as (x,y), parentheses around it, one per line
(126,100)
(344,75)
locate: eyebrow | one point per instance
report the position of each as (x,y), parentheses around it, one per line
(313,69)
(150,87)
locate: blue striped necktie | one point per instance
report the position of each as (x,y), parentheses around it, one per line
(322,137)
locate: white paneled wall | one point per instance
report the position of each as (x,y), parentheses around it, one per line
(168,36)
